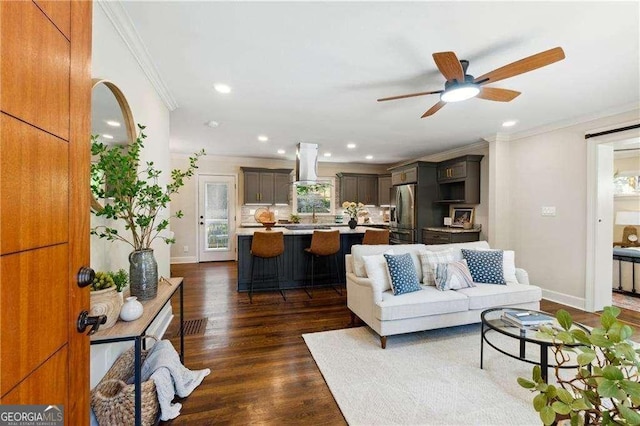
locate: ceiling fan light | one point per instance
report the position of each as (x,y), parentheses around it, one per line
(459,93)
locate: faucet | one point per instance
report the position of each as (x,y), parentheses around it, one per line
(313,215)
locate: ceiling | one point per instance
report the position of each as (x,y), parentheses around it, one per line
(312,71)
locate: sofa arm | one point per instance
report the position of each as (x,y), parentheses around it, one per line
(522,276)
(376,289)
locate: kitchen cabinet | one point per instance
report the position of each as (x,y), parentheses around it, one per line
(360,188)
(266,186)
(447,235)
(405,176)
(384,188)
(459,180)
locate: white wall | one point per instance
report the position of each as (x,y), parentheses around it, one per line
(186,229)
(112,60)
(549,169)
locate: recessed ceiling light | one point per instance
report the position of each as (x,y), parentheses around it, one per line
(107,136)
(222,88)
(327,154)
(509,123)
(263,138)
(113,123)
(213,124)
(281,151)
(369,157)
(351,145)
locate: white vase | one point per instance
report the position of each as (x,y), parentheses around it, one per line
(131,310)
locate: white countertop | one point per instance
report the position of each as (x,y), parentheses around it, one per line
(285,231)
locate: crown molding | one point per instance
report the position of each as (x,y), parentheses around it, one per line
(562,124)
(123,24)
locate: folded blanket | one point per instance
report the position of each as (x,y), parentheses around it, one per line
(163,366)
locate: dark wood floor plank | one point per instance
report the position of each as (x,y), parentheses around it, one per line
(262,371)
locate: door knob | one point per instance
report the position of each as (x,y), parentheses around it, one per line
(84,321)
(85,276)
(201,223)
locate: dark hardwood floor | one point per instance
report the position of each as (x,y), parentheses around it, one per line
(261,369)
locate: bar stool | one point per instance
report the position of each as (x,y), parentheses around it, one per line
(267,246)
(323,245)
(376,236)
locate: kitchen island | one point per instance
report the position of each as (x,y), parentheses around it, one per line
(296,239)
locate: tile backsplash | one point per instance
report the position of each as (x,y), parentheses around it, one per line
(283,213)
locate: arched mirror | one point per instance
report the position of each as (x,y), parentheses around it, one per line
(111,119)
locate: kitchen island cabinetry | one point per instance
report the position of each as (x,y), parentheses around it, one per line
(293,275)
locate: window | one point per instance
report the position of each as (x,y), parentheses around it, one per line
(318,197)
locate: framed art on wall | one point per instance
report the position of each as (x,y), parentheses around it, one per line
(461,215)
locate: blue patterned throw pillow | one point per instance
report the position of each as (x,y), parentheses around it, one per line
(485,266)
(402,273)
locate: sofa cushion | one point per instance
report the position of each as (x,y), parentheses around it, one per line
(453,276)
(376,267)
(484,296)
(485,266)
(428,301)
(359,250)
(508,265)
(430,260)
(402,273)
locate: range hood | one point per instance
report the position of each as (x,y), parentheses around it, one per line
(306,163)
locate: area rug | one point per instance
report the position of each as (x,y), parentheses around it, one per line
(426,378)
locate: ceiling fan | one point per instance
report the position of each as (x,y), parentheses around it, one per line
(461,86)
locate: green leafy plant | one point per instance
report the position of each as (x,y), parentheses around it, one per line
(120,279)
(132,192)
(606,387)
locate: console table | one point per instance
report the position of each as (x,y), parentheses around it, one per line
(136,331)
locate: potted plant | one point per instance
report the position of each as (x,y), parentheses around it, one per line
(352,209)
(134,197)
(105,298)
(606,386)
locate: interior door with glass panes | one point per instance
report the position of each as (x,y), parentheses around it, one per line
(216,218)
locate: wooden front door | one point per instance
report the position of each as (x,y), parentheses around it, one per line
(45,97)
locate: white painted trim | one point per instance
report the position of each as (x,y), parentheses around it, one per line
(237,211)
(574,121)
(565,299)
(185,259)
(123,24)
(161,323)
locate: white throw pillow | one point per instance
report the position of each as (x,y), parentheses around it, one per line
(358,251)
(376,269)
(429,261)
(508,265)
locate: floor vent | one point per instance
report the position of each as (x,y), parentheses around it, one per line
(195,326)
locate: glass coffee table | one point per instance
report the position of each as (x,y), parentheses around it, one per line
(493,323)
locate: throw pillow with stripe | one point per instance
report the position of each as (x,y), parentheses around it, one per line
(454,275)
(430,260)
(402,273)
(485,266)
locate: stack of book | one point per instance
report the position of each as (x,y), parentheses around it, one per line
(526,318)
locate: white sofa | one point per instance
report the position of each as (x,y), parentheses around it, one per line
(429,308)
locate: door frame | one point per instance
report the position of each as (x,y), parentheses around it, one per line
(197,209)
(598,292)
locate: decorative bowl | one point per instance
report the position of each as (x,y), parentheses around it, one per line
(268,225)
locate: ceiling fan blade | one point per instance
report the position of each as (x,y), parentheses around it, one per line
(409,95)
(495,94)
(434,109)
(449,65)
(527,64)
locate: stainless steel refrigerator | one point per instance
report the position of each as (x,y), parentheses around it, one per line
(403,215)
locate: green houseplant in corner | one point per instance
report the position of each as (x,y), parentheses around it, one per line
(133,196)
(606,386)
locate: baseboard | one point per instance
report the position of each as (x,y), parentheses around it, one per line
(187,259)
(565,299)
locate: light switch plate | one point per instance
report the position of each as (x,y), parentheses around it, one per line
(548,211)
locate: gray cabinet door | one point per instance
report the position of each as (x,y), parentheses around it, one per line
(267,194)
(282,188)
(251,187)
(368,190)
(384,187)
(349,189)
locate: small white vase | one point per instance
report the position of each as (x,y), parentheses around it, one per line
(131,310)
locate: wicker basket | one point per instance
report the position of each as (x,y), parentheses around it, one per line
(113,400)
